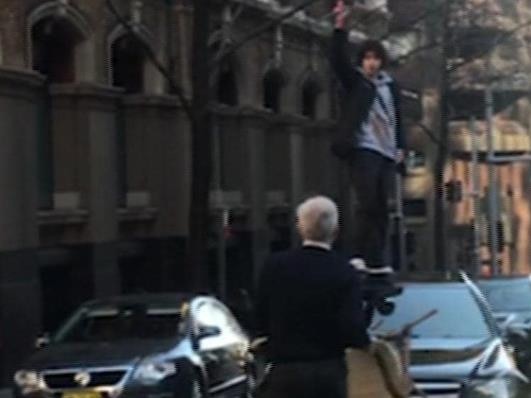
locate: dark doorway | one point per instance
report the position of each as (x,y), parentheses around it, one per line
(57,294)
(137,276)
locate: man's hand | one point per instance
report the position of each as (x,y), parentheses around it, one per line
(340,13)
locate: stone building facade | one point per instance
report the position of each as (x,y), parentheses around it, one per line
(95,159)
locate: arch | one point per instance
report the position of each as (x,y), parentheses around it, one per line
(141,31)
(137,76)
(227,78)
(58,11)
(273,82)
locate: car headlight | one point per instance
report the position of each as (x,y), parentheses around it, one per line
(28,381)
(151,370)
(496,388)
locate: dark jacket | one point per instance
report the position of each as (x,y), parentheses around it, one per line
(309,304)
(358,97)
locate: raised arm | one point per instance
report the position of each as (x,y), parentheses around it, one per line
(340,59)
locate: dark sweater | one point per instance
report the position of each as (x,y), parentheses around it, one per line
(310,306)
(358,97)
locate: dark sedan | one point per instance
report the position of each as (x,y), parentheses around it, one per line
(148,346)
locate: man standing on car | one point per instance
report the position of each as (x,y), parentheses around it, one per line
(310,307)
(369,140)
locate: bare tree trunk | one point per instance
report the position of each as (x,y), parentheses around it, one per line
(440,233)
(196,265)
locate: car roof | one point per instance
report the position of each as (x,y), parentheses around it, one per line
(434,285)
(504,280)
(155,299)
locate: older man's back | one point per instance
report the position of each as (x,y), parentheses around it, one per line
(310,305)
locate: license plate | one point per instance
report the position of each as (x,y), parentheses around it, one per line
(82,394)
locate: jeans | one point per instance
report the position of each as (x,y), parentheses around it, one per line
(310,379)
(371,176)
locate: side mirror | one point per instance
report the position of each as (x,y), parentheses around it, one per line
(259,344)
(208,331)
(516,331)
(42,341)
(516,336)
(505,321)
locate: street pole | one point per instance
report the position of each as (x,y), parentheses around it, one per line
(222,214)
(492,190)
(476,196)
(400,225)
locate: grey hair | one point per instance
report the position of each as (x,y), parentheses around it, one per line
(318,219)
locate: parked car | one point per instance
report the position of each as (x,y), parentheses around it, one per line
(510,299)
(459,352)
(143,346)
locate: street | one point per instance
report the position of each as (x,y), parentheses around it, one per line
(181,179)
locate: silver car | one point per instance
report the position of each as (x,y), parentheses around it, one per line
(460,351)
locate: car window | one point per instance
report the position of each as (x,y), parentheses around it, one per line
(510,296)
(113,324)
(459,315)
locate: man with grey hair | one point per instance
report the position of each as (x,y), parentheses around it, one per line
(317,221)
(310,307)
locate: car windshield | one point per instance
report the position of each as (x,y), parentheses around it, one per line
(458,316)
(105,324)
(509,296)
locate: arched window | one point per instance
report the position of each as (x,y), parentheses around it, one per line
(54,43)
(309,97)
(227,88)
(128,60)
(273,84)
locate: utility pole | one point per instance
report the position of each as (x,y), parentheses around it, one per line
(476,196)
(440,233)
(493,182)
(222,214)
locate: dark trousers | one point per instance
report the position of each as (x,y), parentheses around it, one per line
(311,379)
(371,176)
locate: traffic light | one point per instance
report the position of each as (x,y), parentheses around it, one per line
(454,191)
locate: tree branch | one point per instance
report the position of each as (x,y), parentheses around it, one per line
(260,31)
(418,50)
(495,43)
(409,25)
(153,58)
